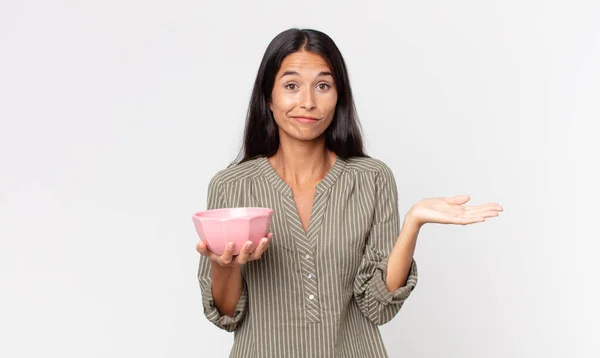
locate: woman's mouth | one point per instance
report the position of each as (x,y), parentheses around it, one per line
(306,119)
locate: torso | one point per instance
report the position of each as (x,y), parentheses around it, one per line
(319,283)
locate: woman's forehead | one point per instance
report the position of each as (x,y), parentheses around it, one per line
(303,61)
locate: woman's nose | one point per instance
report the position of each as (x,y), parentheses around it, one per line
(307,100)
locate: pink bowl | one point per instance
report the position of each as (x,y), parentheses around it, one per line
(219,227)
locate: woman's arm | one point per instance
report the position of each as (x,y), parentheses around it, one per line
(227,288)
(371,290)
(400,260)
(431,210)
(226,274)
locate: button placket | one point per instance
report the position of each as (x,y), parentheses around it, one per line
(313,307)
(305,241)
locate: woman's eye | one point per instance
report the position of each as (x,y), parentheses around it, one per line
(291,86)
(323,86)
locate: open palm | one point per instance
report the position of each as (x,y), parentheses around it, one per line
(450,210)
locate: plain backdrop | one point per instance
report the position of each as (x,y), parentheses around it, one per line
(116,114)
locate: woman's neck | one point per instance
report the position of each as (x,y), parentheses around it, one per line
(302,163)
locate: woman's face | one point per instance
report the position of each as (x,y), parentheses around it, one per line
(304,96)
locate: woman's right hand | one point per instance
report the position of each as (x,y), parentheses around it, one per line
(228,260)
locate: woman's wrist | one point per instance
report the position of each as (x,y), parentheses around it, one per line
(412,222)
(223,271)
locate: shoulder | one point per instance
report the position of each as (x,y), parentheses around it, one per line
(369,165)
(374,172)
(243,171)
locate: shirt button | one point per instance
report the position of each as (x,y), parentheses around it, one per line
(306,256)
(309,276)
(311,297)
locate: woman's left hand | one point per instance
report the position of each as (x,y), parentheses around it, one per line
(451,211)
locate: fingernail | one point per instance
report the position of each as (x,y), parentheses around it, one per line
(230,246)
(248,244)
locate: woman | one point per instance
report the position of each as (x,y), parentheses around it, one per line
(338,264)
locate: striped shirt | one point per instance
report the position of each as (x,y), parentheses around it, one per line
(320,292)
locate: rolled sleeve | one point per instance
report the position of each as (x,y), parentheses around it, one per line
(379,288)
(216,200)
(371,293)
(211,312)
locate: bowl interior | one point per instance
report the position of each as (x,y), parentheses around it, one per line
(234,213)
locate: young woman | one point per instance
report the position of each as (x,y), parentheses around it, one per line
(336,264)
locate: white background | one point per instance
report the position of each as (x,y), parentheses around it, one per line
(115,114)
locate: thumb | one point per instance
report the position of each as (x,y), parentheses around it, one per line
(201,247)
(458,199)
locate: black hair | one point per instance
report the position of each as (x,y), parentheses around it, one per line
(261,133)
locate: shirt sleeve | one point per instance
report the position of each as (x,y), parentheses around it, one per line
(370,291)
(216,200)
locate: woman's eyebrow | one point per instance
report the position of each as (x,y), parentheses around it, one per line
(292,73)
(324,73)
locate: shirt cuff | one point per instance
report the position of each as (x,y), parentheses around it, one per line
(379,288)
(223,321)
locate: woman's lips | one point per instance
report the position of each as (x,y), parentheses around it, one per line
(306,119)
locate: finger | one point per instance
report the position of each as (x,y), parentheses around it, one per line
(494,206)
(242,258)
(202,248)
(486,207)
(269,237)
(466,220)
(228,254)
(260,249)
(216,258)
(489,214)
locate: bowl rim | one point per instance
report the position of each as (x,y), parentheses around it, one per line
(268,211)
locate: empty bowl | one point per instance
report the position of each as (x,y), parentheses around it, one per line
(218,227)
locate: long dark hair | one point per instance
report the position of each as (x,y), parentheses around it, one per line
(261,134)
